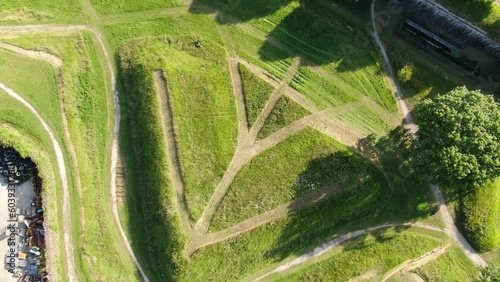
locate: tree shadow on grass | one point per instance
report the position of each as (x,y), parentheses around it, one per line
(318,41)
(237,11)
(398,194)
(311,34)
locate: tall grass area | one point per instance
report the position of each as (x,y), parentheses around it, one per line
(127,6)
(36,81)
(418,78)
(481,211)
(454,265)
(86,104)
(41,11)
(20,129)
(378,252)
(284,113)
(204,110)
(256,91)
(303,163)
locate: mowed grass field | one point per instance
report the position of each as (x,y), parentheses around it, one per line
(124,6)
(86,103)
(41,11)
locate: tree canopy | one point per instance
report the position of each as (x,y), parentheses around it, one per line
(459,138)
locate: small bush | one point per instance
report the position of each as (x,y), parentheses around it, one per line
(406,73)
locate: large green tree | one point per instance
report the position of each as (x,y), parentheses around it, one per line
(459,138)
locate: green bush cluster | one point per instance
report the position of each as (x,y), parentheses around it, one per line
(481,210)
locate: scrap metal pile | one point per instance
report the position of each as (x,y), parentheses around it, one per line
(26,238)
(13,167)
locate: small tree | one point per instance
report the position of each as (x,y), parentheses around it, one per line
(459,138)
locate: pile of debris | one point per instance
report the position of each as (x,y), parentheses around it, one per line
(13,167)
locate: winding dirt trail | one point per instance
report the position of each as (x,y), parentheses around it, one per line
(418,262)
(66,209)
(264,218)
(322,249)
(451,228)
(47,28)
(56,63)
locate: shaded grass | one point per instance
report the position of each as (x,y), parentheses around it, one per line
(454,265)
(41,11)
(302,163)
(261,248)
(422,80)
(126,6)
(380,253)
(256,92)
(161,227)
(204,112)
(285,112)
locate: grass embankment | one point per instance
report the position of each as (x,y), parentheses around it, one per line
(419,79)
(89,121)
(484,13)
(256,92)
(205,123)
(20,129)
(264,247)
(454,265)
(481,211)
(378,253)
(303,163)
(204,111)
(126,6)
(41,11)
(285,112)
(36,81)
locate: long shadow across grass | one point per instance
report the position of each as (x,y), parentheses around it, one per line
(315,31)
(398,194)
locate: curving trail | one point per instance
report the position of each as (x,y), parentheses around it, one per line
(418,262)
(114,149)
(322,249)
(451,228)
(68,240)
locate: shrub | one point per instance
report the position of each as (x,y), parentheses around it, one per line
(405,73)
